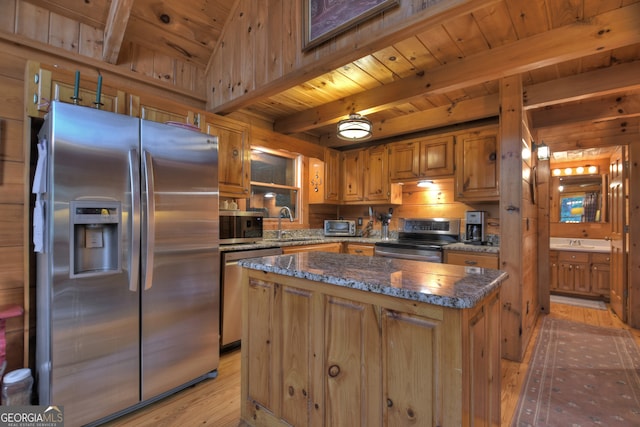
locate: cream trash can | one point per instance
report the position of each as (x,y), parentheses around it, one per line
(16,388)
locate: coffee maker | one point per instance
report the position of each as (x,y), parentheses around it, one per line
(476,227)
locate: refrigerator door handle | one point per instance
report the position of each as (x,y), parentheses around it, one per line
(147,164)
(134,238)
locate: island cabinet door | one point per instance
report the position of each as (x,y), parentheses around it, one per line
(352,371)
(279,357)
(481,357)
(419,374)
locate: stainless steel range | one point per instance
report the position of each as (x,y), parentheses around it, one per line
(421,239)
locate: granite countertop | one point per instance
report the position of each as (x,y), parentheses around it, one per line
(314,240)
(466,247)
(432,283)
(295,241)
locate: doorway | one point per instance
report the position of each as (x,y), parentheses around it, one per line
(606,185)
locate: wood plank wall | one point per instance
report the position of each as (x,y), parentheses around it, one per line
(13,221)
(271,51)
(29,22)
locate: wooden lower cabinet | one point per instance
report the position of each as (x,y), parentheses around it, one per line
(600,275)
(320,247)
(580,273)
(315,354)
(469,259)
(359,248)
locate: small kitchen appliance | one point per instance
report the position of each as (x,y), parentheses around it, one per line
(339,227)
(240,227)
(476,227)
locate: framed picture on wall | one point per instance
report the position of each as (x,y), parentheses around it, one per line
(323,19)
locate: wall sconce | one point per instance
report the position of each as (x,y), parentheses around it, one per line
(544,153)
(355,128)
(578,170)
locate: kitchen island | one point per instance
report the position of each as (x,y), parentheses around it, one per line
(346,340)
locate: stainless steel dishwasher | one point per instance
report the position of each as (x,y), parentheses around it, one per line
(231,307)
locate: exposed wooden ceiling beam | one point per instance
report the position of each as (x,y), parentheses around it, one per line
(601,109)
(115,27)
(463,111)
(601,82)
(582,135)
(607,31)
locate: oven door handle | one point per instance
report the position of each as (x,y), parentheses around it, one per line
(406,256)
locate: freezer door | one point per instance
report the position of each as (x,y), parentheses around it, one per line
(88,323)
(180,259)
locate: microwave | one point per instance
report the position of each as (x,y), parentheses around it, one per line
(240,227)
(339,227)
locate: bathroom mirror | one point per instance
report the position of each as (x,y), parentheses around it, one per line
(581,198)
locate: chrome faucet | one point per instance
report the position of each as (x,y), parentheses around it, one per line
(288,213)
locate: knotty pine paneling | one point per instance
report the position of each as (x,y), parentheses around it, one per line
(227,73)
(11,95)
(32,22)
(91,41)
(85,37)
(12,183)
(11,140)
(64,32)
(12,223)
(12,194)
(8,16)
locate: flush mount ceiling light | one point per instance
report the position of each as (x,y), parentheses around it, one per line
(355,128)
(544,153)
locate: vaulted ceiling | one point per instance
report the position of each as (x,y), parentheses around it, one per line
(426,80)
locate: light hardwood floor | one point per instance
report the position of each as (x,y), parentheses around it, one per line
(217,402)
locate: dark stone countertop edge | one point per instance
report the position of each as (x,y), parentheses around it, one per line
(477,283)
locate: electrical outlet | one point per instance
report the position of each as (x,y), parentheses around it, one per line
(359,221)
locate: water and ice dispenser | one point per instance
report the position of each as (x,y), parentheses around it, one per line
(95,237)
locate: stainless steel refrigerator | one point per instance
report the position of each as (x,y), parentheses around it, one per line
(128,273)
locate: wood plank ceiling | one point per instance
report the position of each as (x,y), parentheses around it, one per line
(568,88)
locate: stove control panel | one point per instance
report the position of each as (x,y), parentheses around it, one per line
(449,226)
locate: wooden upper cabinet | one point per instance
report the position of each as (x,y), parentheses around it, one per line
(422,158)
(477,173)
(45,85)
(332,175)
(404,160)
(353,175)
(365,177)
(234,156)
(376,179)
(324,178)
(436,157)
(161,110)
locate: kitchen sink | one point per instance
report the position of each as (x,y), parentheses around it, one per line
(572,246)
